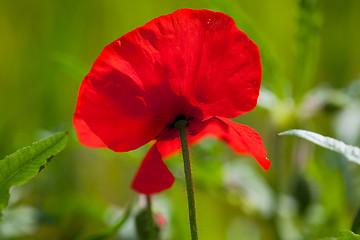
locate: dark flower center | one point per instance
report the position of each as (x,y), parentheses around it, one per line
(179,117)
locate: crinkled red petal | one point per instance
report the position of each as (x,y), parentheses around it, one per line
(111,109)
(241,138)
(208,60)
(153,176)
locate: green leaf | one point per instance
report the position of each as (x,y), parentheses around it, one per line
(352,153)
(25,163)
(345,235)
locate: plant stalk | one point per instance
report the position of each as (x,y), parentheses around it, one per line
(181,126)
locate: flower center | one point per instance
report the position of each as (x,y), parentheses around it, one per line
(178,117)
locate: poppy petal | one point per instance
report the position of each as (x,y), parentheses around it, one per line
(207,59)
(169,147)
(241,138)
(153,176)
(113,111)
(85,135)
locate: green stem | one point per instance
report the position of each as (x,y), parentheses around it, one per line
(150,221)
(181,126)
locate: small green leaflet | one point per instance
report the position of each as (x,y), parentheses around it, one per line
(25,163)
(352,153)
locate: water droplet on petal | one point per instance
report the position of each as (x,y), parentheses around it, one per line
(214,21)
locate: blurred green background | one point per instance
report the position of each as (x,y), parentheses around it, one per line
(311,80)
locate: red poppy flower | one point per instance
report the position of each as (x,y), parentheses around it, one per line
(192,64)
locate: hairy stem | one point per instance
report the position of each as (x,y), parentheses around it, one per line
(181,126)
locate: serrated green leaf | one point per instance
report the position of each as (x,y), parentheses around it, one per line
(352,153)
(27,162)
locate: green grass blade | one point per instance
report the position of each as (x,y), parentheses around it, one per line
(112,230)
(25,163)
(307,46)
(352,153)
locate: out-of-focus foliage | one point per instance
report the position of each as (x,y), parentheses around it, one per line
(114,229)
(345,235)
(311,80)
